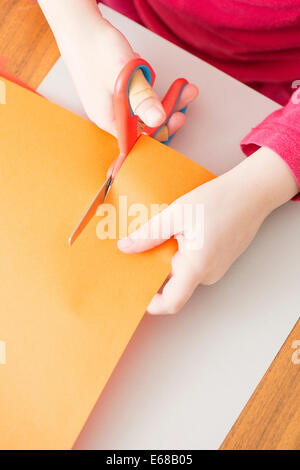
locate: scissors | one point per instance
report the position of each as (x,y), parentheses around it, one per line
(127,128)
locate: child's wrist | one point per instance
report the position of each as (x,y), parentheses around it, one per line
(263,181)
(71,21)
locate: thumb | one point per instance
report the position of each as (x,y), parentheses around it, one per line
(144,101)
(155,232)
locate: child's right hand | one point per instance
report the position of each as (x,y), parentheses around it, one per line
(95,52)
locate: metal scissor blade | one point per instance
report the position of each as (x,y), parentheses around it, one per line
(92,209)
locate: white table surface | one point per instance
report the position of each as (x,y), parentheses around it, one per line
(184,379)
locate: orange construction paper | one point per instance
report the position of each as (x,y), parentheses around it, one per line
(67,314)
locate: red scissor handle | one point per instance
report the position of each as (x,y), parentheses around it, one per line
(169,103)
(126,120)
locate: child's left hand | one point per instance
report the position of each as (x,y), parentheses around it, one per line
(235,205)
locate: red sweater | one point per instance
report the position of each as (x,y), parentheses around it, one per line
(255,41)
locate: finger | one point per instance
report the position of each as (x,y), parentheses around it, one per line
(176,291)
(188,95)
(156,231)
(144,101)
(176,122)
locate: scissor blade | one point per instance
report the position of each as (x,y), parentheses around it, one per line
(92,209)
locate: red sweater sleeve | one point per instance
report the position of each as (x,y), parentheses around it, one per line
(281,133)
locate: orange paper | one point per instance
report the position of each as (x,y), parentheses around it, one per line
(67,314)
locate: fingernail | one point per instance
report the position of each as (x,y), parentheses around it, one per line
(124,243)
(154,116)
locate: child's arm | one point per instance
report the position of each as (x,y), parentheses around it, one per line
(95,52)
(235,205)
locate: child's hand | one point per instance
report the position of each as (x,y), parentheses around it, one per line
(235,206)
(95,53)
